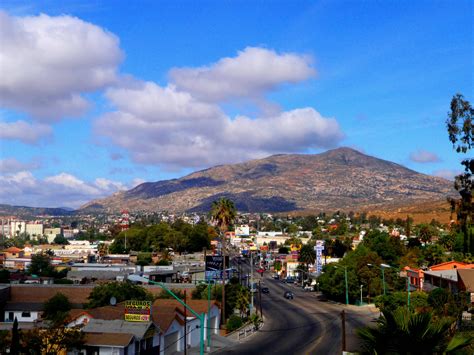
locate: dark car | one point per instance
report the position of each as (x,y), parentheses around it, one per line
(289,295)
(265,290)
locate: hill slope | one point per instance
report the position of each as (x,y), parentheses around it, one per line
(342,178)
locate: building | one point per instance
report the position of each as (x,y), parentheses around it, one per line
(34,230)
(51,233)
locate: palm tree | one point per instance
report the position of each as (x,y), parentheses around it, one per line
(405,332)
(223,213)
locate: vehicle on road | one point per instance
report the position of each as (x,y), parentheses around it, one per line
(290,280)
(308,288)
(265,290)
(288,295)
(276,277)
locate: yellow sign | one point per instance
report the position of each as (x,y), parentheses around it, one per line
(137,311)
(295,247)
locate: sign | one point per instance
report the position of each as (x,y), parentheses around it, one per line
(295,247)
(319,255)
(214,265)
(137,311)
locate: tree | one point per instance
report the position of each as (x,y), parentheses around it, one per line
(460,127)
(54,340)
(122,291)
(15,344)
(307,255)
(406,332)
(60,239)
(57,308)
(41,265)
(223,213)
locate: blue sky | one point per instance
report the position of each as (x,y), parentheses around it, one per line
(98,96)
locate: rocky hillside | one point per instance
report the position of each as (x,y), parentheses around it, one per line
(342,178)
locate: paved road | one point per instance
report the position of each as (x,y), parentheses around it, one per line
(303,325)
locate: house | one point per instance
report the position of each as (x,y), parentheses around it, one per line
(168,317)
(440,274)
(120,337)
(13,252)
(466,282)
(25,301)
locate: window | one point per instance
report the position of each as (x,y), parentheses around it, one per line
(25,314)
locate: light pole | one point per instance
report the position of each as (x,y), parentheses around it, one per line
(361,294)
(197,315)
(347,287)
(383,266)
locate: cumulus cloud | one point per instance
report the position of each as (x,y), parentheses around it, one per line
(12,165)
(46,63)
(423,156)
(253,72)
(165,126)
(447,173)
(23,188)
(29,133)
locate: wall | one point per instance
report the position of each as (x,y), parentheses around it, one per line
(18,314)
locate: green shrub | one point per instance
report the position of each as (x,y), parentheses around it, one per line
(234,322)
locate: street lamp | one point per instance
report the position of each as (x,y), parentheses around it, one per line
(383,266)
(361,294)
(347,287)
(138,278)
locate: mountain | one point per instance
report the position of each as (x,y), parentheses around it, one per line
(24,211)
(342,178)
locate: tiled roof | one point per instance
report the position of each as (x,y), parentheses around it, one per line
(77,294)
(12,250)
(108,339)
(467,278)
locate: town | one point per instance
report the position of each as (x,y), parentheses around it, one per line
(83,263)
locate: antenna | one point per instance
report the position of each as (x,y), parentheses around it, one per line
(113,301)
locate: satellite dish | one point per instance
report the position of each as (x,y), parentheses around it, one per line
(113,301)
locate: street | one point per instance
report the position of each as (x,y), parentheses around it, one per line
(303,325)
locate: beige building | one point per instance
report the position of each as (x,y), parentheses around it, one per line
(34,230)
(51,233)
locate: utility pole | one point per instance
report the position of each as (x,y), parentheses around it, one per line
(251,282)
(185,323)
(223,279)
(343,319)
(260,299)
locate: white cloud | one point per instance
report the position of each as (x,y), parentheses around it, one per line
(423,156)
(46,63)
(253,72)
(169,127)
(12,165)
(447,173)
(29,133)
(22,188)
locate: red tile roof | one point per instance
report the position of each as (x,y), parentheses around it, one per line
(42,293)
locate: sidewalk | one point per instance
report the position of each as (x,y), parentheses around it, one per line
(218,342)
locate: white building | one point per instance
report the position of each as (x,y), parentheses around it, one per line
(34,229)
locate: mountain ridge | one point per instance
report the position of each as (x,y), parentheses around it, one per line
(336,179)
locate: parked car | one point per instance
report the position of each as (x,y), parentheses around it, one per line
(265,290)
(308,288)
(276,277)
(290,280)
(288,295)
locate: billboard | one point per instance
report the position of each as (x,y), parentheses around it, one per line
(214,266)
(319,253)
(137,311)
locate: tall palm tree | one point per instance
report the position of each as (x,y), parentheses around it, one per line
(223,213)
